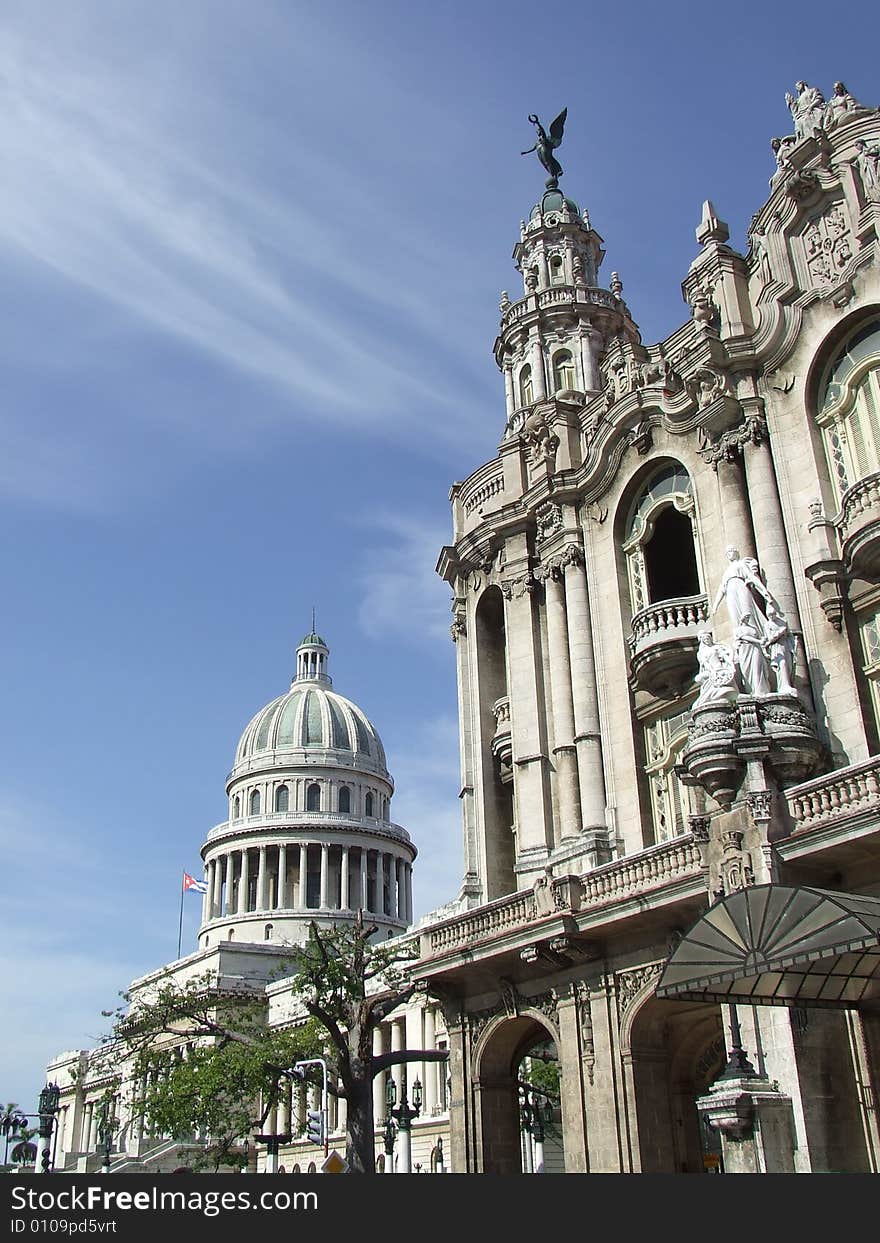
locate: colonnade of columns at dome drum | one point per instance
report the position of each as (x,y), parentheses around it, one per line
(288,876)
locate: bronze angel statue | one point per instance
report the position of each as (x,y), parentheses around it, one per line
(545,143)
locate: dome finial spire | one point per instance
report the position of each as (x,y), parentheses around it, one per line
(311,657)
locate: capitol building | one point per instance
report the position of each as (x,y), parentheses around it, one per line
(665,598)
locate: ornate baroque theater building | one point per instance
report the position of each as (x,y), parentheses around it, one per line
(666,610)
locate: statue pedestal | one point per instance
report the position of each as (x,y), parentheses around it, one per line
(755,1122)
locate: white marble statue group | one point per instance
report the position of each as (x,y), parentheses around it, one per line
(761,659)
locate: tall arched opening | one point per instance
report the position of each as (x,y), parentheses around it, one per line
(671,1054)
(517,1100)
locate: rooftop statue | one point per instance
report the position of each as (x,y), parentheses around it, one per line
(807,109)
(546,144)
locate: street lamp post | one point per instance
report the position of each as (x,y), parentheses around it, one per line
(46,1110)
(525,1118)
(403,1115)
(388,1134)
(105,1132)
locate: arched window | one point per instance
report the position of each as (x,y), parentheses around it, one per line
(313,797)
(368,804)
(236,807)
(563,371)
(231,936)
(660,540)
(848,408)
(557,270)
(282,798)
(526,392)
(345,799)
(670,799)
(254,803)
(267,932)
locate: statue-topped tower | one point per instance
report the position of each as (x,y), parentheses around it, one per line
(552,339)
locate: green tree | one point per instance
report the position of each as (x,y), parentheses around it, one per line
(350,985)
(346,985)
(231,1076)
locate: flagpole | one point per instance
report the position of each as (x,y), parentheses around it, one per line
(180,922)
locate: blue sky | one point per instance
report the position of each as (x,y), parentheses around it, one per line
(251,257)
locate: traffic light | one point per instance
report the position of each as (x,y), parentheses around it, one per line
(315,1125)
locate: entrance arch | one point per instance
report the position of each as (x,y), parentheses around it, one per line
(671,1055)
(497,1080)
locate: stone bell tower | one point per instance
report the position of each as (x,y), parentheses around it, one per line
(533,786)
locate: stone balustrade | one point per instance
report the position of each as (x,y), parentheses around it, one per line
(650,870)
(859,527)
(835,797)
(484,486)
(558,295)
(501,712)
(663,643)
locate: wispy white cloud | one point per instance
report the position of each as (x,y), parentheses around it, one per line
(400,592)
(100,189)
(427,776)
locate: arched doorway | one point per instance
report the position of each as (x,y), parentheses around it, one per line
(517,1099)
(671,1055)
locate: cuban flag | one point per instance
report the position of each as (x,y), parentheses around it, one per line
(190,882)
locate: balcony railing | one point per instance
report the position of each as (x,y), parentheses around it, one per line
(663,643)
(650,870)
(837,797)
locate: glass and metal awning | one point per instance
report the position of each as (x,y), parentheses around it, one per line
(780,945)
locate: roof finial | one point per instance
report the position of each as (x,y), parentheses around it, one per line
(314,627)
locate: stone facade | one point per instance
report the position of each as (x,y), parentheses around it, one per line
(666,614)
(632,748)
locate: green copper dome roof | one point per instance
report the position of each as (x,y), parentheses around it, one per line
(554,200)
(311,638)
(309,718)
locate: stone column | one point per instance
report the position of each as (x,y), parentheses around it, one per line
(303,875)
(735,507)
(345,896)
(261,880)
(585,693)
(400,877)
(397,1044)
(391,864)
(539,382)
(563,711)
(429,1078)
(281,894)
(244,883)
(227,905)
(529,754)
(325,875)
(206,900)
(363,901)
(772,548)
(379,1108)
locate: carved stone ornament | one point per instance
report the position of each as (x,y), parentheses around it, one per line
(541,441)
(516,588)
(548,519)
(544,894)
(760,803)
(707,385)
(699,827)
(828,247)
(630,983)
(510,998)
(595,512)
(729,445)
(868,163)
(735,866)
(704,307)
(716,675)
(458,629)
(547,1003)
(477,1023)
(585,1019)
